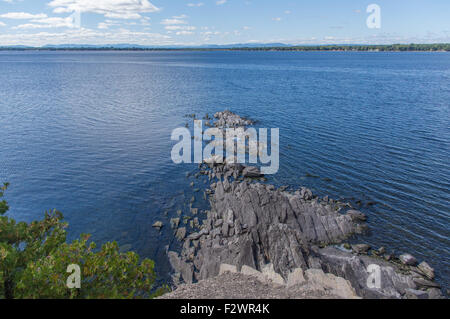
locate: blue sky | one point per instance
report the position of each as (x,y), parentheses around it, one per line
(196,22)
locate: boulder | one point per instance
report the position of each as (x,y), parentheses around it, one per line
(306,194)
(423,283)
(251,172)
(357,215)
(337,285)
(174,223)
(361,248)
(408,259)
(427,270)
(416,294)
(181,233)
(158,225)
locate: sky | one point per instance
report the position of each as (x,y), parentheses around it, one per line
(202,22)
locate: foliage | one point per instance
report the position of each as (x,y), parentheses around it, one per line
(34,259)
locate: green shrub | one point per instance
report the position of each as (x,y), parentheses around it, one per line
(34,260)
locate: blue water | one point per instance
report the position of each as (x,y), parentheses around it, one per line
(89,134)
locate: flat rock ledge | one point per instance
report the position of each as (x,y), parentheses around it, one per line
(256,239)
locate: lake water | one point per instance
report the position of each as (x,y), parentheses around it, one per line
(88,133)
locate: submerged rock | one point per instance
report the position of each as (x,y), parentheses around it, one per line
(158,225)
(251,172)
(174,223)
(181,233)
(357,215)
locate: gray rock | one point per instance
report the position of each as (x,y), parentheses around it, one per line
(357,215)
(408,259)
(196,222)
(218,223)
(427,270)
(196,236)
(416,294)
(306,194)
(158,225)
(435,293)
(355,269)
(361,248)
(259,222)
(252,224)
(251,172)
(181,233)
(174,223)
(423,283)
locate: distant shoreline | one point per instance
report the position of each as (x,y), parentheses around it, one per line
(438,47)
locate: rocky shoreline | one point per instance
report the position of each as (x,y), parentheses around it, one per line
(288,241)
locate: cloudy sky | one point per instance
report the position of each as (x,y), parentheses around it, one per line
(196,22)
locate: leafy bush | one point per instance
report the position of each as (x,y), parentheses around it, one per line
(34,260)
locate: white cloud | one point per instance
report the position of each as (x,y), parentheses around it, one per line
(85,36)
(103,25)
(175,20)
(2,24)
(199,4)
(184,33)
(178,24)
(45,23)
(220,2)
(22,16)
(208,33)
(179,27)
(119,9)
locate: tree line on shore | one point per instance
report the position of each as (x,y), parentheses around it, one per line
(359,48)
(392,47)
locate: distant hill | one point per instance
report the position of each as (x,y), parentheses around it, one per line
(245,46)
(137,46)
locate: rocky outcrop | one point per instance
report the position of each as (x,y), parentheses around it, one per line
(252,224)
(230,119)
(260,231)
(356,269)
